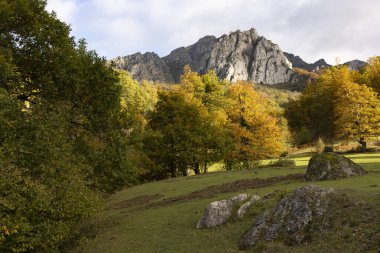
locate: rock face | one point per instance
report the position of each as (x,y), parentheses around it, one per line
(145,65)
(218,212)
(327,166)
(237,56)
(293,217)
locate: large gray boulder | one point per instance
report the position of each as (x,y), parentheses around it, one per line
(218,212)
(293,216)
(327,166)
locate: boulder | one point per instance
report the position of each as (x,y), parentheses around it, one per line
(243,208)
(327,166)
(218,212)
(293,217)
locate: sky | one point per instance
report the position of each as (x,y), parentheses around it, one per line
(336,30)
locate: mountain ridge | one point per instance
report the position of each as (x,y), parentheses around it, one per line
(239,55)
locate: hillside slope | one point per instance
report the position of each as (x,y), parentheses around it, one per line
(161,216)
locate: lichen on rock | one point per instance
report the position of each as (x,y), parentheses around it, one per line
(294,217)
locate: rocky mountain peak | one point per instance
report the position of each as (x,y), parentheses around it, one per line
(237,56)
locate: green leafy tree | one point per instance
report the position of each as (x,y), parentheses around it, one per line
(62,139)
(174,134)
(137,100)
(209,92)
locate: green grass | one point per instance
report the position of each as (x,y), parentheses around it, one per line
(171,228)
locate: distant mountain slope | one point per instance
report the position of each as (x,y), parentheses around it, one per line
(355,64)
(237,56)
(297,62)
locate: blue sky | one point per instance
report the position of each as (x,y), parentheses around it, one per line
(313,29)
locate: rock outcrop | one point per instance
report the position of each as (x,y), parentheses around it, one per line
(328,166)
(148,66)
(293,217)
(218,212)
(237,56)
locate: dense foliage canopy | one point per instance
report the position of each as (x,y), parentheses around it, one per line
(340,105)
(61,139)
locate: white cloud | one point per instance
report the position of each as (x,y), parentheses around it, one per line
(65,9)
(312,29)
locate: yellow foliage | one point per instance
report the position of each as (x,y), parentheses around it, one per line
(257,133)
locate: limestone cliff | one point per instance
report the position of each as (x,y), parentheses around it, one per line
(237,56)
(148,66)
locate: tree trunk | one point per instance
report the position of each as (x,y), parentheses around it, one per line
(205,168)
(363,143)
(196,168)
(173,170)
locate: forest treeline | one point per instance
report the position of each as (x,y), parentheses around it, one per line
(73,129)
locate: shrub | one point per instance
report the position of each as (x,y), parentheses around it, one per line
(246,165)
(282,162)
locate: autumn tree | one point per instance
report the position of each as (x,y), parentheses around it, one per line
(372,73)
(357,109)
(336,107)
(255,130)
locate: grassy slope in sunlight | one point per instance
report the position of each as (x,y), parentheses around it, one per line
(171,228)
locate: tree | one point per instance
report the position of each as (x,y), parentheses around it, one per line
(372,73)
(336,107)
(62,139)
(137,101)
(357,111)
(209,92)
(256,132)
(174,134)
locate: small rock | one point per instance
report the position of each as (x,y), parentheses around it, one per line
(218,212)
(243,209)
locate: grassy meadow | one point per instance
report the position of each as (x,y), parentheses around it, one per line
(161,216)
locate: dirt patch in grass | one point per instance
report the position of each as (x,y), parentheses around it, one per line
(137,201)
(214,190)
